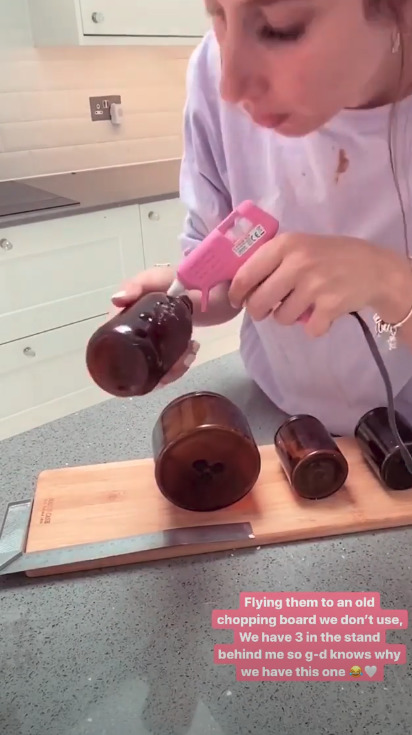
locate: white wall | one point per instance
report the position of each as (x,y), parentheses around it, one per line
(45,124)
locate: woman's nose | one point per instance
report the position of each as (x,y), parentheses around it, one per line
(239,82)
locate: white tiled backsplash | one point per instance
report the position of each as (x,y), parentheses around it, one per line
(45,124)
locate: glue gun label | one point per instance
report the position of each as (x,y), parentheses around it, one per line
(249,241)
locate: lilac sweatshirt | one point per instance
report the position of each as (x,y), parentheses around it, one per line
(227,159)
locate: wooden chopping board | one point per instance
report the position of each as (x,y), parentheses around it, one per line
(96,503)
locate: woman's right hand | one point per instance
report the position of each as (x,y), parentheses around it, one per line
(154,279)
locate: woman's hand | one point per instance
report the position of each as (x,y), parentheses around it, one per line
(154,279)
(322,277)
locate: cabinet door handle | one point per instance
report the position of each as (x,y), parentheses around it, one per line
(5,244)
(154,216)
(29,352)
(97,17)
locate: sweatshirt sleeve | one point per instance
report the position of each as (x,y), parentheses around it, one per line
(202,188)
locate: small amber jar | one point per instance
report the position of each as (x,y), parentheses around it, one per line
(312,461)
(204,452)
(130,354)
(380,448)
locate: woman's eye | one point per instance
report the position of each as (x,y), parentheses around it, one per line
(268,33)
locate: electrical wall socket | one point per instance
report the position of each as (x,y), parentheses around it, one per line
(100,106)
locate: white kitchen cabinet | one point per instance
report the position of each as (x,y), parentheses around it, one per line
(162,225)
(120,22)
(44,377)
(61,271)
(56,280)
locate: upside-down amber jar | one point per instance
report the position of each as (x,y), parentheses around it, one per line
(130,354)
(312,461)
(204,452)
(380,448)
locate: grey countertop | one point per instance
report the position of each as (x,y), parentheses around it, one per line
(130,651)
(102,188)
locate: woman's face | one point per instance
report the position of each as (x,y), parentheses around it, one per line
(294,64)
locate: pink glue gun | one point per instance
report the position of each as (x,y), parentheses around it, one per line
(218,258)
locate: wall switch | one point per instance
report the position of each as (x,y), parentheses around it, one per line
(100,106)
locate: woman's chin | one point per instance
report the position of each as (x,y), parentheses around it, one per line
(290,126)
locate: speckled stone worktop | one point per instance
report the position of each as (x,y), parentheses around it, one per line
(103,188)
(130,651)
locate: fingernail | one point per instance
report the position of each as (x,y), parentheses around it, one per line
(161,384)
(189,360)
(119,295)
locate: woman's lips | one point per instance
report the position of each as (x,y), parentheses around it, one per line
(270,121)
(265,121)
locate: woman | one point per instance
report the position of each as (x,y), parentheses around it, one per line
(304,105)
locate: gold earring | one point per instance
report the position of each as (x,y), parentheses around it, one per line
(396,43)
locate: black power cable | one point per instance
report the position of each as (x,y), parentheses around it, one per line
(406,456)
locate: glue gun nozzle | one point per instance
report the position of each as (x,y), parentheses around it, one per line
(176,289)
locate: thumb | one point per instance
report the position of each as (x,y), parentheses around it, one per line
(155,279)
(127,295)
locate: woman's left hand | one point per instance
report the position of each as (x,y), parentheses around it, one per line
(324,276)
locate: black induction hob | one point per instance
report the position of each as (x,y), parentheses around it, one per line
(19,198)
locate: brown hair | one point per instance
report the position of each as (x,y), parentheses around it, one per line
(394,10)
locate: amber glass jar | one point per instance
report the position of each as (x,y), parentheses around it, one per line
(381,450)
(128,355)
(312,461)
(204,451)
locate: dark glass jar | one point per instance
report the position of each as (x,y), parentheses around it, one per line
(130,354)
(312,461)
(381,450)
(204,452)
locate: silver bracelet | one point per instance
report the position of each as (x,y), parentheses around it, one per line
(382,327)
